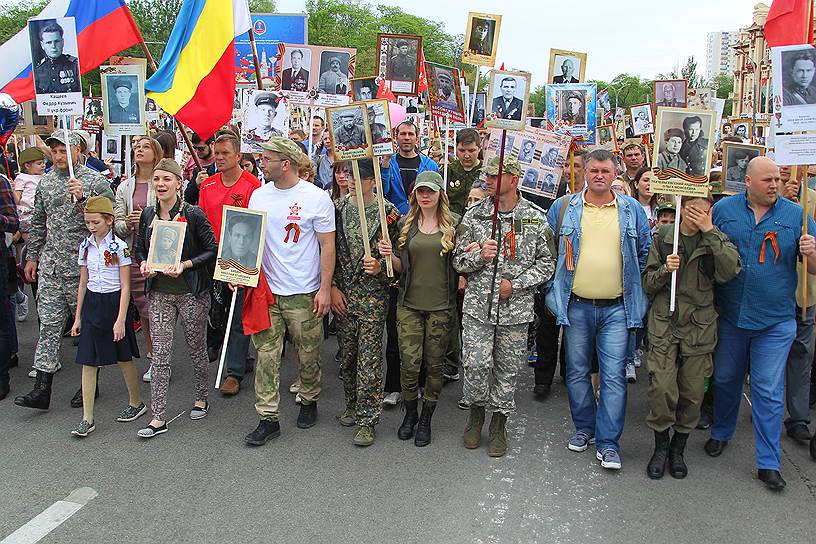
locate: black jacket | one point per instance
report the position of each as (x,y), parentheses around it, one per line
(199,246)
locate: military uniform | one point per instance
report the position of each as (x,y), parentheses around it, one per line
(60,75)
(681,344)
(120,115)
(360,333)
(57,229)
(495,344)
(460,181)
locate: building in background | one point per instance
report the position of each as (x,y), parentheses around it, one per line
(752,75)
(720,55)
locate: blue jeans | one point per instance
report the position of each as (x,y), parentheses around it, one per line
(767,349)
(600,329)
(238,343)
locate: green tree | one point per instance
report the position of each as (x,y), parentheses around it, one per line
(13,16)
(626,90)
(539,99)
(689,73)
(723,86)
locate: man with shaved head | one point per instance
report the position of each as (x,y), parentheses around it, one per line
(757,320)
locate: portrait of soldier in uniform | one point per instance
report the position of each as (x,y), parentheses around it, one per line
(167,249)
(402,64)
(572,107)
(54,70)
(266,105)
(349,131)
(481,37)
(798,87)
(123,100)
(670,94)
(241,239)
(506,104)
(333,73)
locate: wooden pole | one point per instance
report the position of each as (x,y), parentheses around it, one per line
(673,296)
(389,264)
(445,156)
(495,223)
(67,150)
(226,339)
(473,98)
(804,270)
(128,171)
(358,192)
(255,60)
(572,169)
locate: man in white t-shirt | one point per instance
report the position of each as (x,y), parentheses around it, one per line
(298,264)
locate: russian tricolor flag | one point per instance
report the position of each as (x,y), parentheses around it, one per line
(104,28)
(195,81)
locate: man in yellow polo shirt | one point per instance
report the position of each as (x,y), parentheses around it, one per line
(596,294)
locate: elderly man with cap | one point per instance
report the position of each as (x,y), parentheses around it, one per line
(298,265)
(445,90)
(350,133)
(503,274)
(57,229)
(333,81)
(123,111)
(266,105)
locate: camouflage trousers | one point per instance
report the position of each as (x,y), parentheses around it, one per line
(360,335)
(492,357)
(56,303)
(423,335)
(676,388)
(293,312)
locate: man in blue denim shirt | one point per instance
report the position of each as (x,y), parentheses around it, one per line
(596,293)
(757,312)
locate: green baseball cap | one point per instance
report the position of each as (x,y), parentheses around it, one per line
(430,179)
(665,207)
(285,147)
(511,166)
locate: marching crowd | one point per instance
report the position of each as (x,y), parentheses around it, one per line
(584,279)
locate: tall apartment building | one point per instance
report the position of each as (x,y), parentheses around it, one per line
(720,57)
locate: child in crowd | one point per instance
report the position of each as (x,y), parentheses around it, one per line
(665,214)
(102,300)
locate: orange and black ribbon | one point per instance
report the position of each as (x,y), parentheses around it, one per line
(568,257)
(289,228)
(769,236)
(509,244)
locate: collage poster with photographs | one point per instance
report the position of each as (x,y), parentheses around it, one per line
(541,154)
(309,73)
(571,110)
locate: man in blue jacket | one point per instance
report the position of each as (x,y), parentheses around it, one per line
(596,294)
(402,168)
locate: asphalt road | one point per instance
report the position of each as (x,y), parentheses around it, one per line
(198,483)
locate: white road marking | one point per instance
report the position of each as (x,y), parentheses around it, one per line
(51,518)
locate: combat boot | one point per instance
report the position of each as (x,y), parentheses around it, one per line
(40,396)
(657,464)
(348,418)
(406,430)
(677,465)
(365,436)
(497,441)
(473,429)
(423,430)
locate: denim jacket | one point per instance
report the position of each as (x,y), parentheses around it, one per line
(635,241)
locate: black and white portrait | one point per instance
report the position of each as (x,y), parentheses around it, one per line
(684,141)
(350,134)
(403,57)
(743,130)
(527,151)
(549,184)
(572,107)
(364,88)
(350,131)
(509,92)
(54,55)
(642,122)
(735,164)
(606,137)
(264,117)
(150,105)
(334,77)
(530,178)
(670,93)
(379,124)
(799,76)
(123,99)
(480,40)
(112,146)
(549,156)
(479,108)
(240,239)
(567,66)
(165,244)
(295,74)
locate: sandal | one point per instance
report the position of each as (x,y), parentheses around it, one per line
(150,431)
(197,412)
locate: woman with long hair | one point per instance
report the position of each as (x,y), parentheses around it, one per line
(644,196)
(248,163)
(427,298)
(133,195)
(341,172)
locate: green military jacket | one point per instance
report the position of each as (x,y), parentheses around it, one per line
(713,259)
(460,182)
(57,224)
(526,259)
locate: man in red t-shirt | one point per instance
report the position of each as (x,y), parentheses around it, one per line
(230,186)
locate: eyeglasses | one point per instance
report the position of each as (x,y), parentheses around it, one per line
(264,159)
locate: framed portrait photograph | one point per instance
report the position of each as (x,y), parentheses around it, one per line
(151,110)
(166,242)
(265,115)
(123,99)
(296,65)
(398,61)
(642,121)
(508,96)
(794,88)
(379,124)
(349,131)
(364,88)
(670,93)
(699,99)
(684,141)
(240,251)
(571,109)
(481,39)
(55,63)
(605,137)
(741,128)
(92,118)
(110,147)
(334,73)
(567,66)
(304,69)
(735,163)
(479,108)
(445,92)
(31,123)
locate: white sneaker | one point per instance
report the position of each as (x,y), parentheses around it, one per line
(22,309)
(638,358)
(631,374)
(298,400)
(33,373)
(294,388)
(147,376)
(392,399)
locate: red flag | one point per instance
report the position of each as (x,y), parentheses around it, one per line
(422,84)
(384,92)
(502,67)
(789,22)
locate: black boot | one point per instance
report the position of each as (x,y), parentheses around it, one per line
(813,447)
(40,396)
(677,465)
(76,401)
(406,430)
(657,464)
(423,430)
(4,390)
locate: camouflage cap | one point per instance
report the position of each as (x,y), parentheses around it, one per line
(285,147)
(511,166)
(58,137)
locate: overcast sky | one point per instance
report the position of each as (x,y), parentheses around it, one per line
(641,37)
